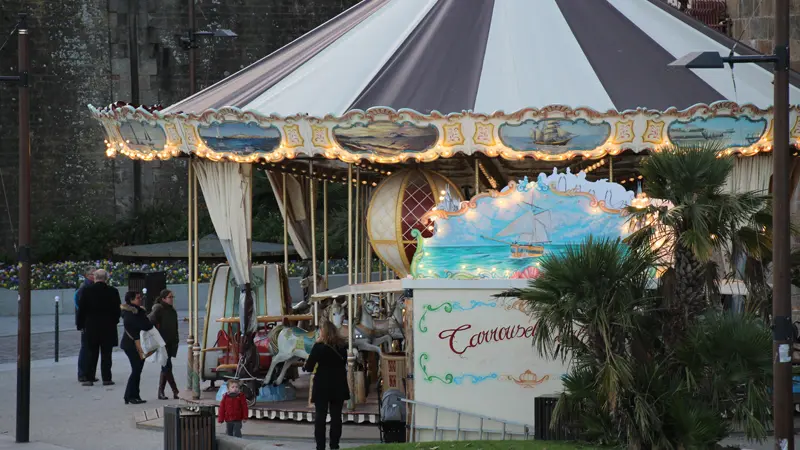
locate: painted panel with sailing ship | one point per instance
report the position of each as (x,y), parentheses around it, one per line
(555,135)
(240,138)
(386,138)
(727,131)
(505,236)
(143,137)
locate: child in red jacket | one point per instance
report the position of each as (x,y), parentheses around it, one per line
(233,409)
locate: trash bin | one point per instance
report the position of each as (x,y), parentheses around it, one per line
(190,427)
(543,409)
(154,282)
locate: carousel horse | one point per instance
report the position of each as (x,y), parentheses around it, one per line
(287,345)
(370,333)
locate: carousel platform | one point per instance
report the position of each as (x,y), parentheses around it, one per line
(153,419)
(297,410)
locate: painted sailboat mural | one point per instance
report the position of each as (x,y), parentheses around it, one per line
(505,234)
(531,241)
(551,134)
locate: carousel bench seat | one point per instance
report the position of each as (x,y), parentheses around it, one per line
(225,367)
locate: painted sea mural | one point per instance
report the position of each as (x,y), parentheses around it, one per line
(728,131)
(555,135)
(505,236)
(240,138)
(142,136)
(386,138)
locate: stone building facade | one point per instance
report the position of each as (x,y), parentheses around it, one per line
(754,23)
(81,54)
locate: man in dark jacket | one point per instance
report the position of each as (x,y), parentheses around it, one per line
(87,281)
(98,317)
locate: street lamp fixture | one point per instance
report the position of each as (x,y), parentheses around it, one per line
(714,60)
(189,40)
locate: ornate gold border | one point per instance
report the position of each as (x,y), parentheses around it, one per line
(636,118)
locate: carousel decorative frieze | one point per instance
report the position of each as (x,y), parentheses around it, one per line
(383,135)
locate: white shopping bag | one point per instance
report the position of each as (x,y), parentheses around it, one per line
(151,341)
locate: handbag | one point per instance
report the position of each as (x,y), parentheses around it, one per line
(138,345)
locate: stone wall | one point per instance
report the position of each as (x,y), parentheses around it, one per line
(81,55)
(754,24)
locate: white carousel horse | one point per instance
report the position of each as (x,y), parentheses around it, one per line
(287,345)
(370,333)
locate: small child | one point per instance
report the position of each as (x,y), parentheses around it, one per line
(233,409)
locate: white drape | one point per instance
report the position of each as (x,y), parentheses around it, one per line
(299,214)
(226,189)
(751,173)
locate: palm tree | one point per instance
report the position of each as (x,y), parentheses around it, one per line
(702,219)
(589,303)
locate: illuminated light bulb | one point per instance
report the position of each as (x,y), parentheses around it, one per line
(713,237)
(463,266)
(388,173)
(640,177)
(441,197)
(494,269)
(442,192)
(421,266)
(374,184)
(430,227)
(641,201)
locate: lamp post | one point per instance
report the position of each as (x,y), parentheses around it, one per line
(781,276)
(24,313)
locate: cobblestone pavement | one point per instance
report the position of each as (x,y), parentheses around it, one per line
(43,343)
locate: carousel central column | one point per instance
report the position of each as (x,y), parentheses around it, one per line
(190,257)
(351,357)
(196,292)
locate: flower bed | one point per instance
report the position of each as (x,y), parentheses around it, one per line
(69,274)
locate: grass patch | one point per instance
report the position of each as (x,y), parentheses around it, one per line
(481,445)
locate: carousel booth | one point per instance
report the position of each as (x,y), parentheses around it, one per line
(459,179)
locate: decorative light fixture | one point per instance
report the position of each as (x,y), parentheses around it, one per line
(641,201)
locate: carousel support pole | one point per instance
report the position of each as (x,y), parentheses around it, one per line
(351,357)
(477,177)
(325,228)
(610,169)
(313,208)
(358,228)
(190,274)
(285,226)
(196,292)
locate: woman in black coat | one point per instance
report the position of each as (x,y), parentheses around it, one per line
(134,320)
(165,318)
(330,390)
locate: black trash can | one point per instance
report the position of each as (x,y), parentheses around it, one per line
(190,427)
(154,282)
(543,409)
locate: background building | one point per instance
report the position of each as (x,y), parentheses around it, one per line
(82,54)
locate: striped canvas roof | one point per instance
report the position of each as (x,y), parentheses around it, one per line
(491,55)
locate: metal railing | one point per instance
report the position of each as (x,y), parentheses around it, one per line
(481,431)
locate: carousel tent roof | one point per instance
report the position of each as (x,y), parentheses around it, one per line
(210,247)
(492,55)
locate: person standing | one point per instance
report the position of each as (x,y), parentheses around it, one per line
(233,409)
(98,317)
(330,390)
(165,318)
(134,321)
(88,279)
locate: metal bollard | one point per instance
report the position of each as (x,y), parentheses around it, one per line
(58,300)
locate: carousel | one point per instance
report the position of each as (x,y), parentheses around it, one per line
(462,166)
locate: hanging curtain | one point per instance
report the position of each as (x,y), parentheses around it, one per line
(299,219)
(751,173)
(226,189)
